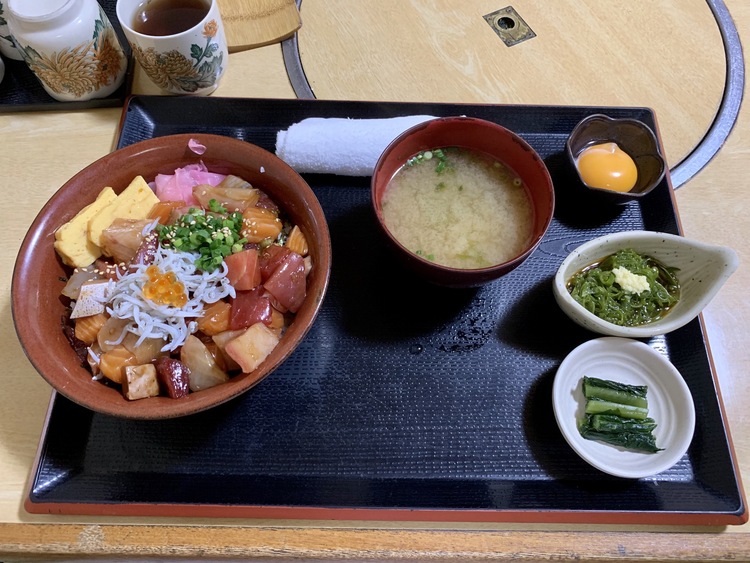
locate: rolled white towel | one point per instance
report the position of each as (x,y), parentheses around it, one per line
(347,147)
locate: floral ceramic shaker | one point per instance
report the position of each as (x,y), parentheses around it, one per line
(7,48)
(70,45)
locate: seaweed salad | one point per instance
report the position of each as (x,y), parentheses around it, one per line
(626,288)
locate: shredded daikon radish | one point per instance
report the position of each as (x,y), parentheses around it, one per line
(152,320)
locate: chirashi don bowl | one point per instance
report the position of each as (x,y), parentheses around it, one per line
(40,275)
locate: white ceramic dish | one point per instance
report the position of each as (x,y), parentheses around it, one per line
(703,269)
(633,362)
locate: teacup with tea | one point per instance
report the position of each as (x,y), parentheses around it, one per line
(179,44)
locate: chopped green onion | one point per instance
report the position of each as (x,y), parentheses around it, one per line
(213,236)
(438,154)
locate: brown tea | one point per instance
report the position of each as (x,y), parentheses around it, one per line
(168,17)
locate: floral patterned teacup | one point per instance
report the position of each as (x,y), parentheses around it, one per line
(190,62)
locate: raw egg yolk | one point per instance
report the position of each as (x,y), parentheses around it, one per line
(607,166)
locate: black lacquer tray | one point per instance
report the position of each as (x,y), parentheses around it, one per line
(20,90)
(405,401)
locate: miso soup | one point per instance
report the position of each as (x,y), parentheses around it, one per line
(458,208)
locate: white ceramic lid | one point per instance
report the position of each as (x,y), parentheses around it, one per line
(36,8)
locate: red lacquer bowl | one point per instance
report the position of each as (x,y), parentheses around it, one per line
(479,135)
(39,275)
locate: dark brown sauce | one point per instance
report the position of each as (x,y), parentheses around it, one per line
(169,17)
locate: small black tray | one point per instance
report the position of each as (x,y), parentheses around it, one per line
(405,401)
(20,90)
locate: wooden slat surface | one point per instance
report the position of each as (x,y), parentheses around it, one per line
(42,150)
(330,544)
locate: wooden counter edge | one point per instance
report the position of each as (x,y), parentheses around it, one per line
(352,544)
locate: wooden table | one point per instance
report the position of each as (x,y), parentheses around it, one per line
(43,149)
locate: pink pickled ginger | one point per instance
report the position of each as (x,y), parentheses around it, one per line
(196,146)
(179,186)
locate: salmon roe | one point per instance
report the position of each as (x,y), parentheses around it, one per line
(163,288)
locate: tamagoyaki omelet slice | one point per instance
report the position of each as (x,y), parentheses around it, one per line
(71,240)
(134,202)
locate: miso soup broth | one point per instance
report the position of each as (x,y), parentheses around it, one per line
(458,208)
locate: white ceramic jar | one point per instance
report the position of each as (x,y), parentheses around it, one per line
(7,48)
(70,45)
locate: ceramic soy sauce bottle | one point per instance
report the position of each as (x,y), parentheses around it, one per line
(70,45)
(7,48)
